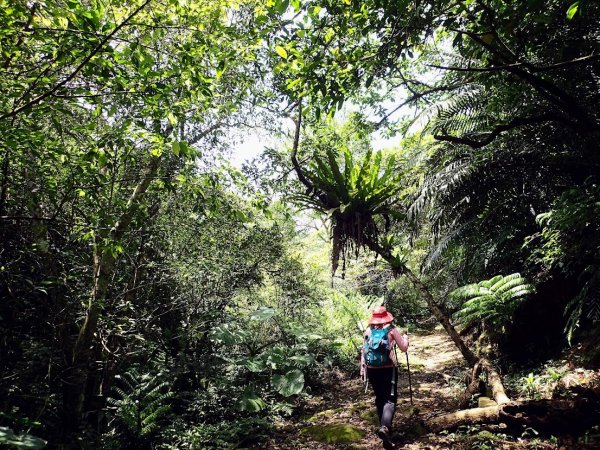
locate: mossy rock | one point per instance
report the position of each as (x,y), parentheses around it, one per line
(370,416)
(409,411)
(334,433)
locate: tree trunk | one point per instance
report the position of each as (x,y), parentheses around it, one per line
(104,266)
(551,416)
(495,382)
(399,268)
(469,356)
(474,416)
(474,385)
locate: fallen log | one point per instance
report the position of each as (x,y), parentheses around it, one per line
(495,382)
(550,416)
(474,416)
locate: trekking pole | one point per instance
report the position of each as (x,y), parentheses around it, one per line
(409,379)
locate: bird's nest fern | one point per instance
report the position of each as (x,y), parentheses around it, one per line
(352,195)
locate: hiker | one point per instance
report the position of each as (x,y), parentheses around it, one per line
(380,368)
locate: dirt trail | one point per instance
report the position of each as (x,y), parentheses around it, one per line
(344,416)
(347,411)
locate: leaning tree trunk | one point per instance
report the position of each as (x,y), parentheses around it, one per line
(398,269)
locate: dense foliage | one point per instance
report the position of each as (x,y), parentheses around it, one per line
(153,295)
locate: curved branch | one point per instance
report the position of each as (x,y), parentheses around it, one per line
(533,68)
(547,89)
(305,181)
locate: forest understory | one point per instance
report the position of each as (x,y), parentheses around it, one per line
(203,203)
(342,415)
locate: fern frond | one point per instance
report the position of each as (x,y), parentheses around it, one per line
(500,283)
(140,399)
(493,300)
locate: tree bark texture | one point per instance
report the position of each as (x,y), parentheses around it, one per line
(474,385)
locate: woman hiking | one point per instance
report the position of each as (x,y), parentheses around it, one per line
(380,367)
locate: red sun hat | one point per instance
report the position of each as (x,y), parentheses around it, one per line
(380,316)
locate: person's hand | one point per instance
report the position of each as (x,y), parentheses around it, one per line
(403,344)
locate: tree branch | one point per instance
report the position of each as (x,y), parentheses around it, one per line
(548,90)
(294,157)
(515,123)
(73,74)
(560,65)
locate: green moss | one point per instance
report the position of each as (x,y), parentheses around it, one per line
(370,416)
(326,413)
(360,406)
(484,440)
(409,411)
(334,433)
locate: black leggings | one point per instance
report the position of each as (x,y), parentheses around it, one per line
(385,385)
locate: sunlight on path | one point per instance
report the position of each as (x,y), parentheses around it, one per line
(344,417)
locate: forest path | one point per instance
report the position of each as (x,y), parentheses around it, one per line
(346,412)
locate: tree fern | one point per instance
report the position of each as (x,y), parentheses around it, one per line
(463,113)
(493,301)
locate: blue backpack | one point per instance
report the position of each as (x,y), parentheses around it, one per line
(376,349)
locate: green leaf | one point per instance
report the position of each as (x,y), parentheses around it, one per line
(302,333)
(281,51)
(289,384)
(572,10)
(251,402)
(262,314)
(281,6)
(62,22)
(7,436)
(172,119)
(293,83)
(228,335)
(176,148)
(255,365)
(303,360)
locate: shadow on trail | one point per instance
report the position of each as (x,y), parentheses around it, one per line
(345,417)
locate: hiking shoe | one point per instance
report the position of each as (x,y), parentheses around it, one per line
(384,434)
